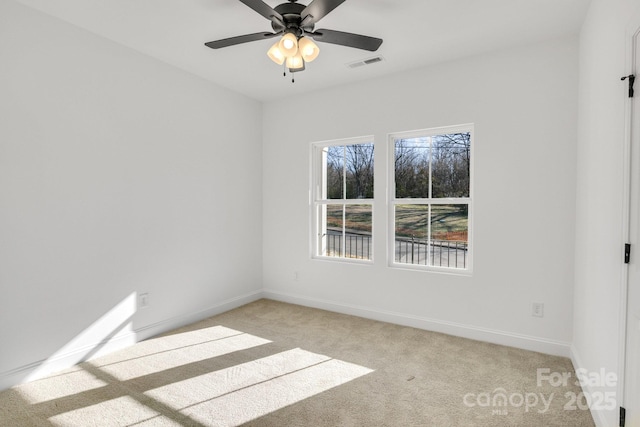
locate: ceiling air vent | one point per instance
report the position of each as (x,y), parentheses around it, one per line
(364,62)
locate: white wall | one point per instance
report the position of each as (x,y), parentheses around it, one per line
(599,240)
(524,106)
(118,174)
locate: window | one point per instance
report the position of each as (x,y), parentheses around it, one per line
(342,194)
(431,198)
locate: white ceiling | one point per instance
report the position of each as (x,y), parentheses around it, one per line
(415,32)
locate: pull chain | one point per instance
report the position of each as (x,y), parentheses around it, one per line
(284,73)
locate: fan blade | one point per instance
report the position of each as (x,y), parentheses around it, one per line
(318,9)
(347,39)
(263,9)
(231,41)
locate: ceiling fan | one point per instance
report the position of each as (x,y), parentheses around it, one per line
(295,22)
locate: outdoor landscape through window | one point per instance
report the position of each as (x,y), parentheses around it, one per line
(432,188)
(429,199)
(345,201)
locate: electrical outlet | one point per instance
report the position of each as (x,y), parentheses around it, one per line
(143,300)
(296,276)
(537,309)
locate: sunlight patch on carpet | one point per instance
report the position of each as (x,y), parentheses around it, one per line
(205,387)
(233,396)
(165,343)
(58,386)
(96,393)
(172,358)
(123,411)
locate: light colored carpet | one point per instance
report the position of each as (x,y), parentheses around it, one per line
(275,364)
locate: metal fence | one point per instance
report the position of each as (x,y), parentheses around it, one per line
(355,245)
(440,253)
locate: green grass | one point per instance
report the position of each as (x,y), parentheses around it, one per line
(358,217)
(448,222)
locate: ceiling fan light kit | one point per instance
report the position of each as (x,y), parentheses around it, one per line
(295,62)
(308,49)
(295,24)
(288,45)
(276,54)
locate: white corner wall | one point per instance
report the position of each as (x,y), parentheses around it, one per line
(523,103)
(599,203)
(119,175)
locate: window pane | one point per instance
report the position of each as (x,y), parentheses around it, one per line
(412,168)
(335,173)
(359,170)
(411,226)
(334,231)
(432,167)
(450,165)
(345,174)
(449,235)
(358,226)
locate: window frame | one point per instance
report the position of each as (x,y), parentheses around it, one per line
(315,200)
(392,201)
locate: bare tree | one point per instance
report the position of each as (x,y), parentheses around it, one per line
(451,165)
(335,172)
(411,168)
(350,171)
(359,171)
(441,165)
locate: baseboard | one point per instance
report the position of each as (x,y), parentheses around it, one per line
(26,372)
(125,338)
(598,416)
(42,368)
(154,329)
(525,342)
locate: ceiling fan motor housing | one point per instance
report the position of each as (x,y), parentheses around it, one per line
(291,15)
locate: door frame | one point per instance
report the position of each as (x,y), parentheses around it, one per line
(632,34)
